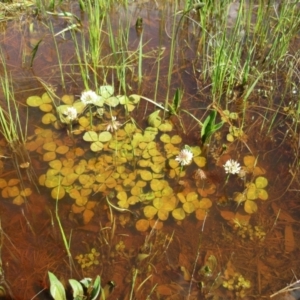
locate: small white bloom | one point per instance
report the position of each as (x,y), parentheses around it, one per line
(200,174)
(71,113)
(113,125)
(89,97)
(232,167)
(184,157)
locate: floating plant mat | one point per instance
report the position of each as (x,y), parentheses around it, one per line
(138,169)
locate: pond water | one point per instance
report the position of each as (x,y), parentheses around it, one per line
(132,189)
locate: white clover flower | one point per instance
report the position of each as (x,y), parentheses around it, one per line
(184,157)
(71,113)
(200,174)
(113,125)
(89,97)
(232,167)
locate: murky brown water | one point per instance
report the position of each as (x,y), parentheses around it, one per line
(176,261)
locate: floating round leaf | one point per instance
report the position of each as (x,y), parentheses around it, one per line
(146,175)
(262,194)
(46,98)
(112,101)
(52,181)
(96,146)
(205,203)
(48,118)
(26,192)
(13,181)
(99,102)
(34,101)
(55,164)
(175,139)
(110,182)
(188,207)
(3,183)
(69,179)
(90,136)
(142,225)
(48,156)
(251,192)
(239,197)
(230,137)
(165,127)
(50,146)
(191,196)
(46,107)
(165,138)
(154,119)
(106,91)
(81,201)
(77,209)
(173,163)
(13,191)
(200,214)
(67,99)
(150,211)
(104,136)
(200,161)
(156,224)
(19,200)
(58,193)
(62,149)
(163,214)
(250,207)
(157,185)
(178,214)
(87,216)
(261,182)
(74,193)
(249,161)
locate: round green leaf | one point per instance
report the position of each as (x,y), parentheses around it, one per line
(178,214)
(112,101)
(96,146)
(250,207)
(106,91)
(104,136)
(90,136)
(262,194)
(188,207)
(34,101)
(261,182)
(150,211)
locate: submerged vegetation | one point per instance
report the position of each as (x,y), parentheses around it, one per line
(163,158)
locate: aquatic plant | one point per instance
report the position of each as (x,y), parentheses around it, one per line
(83,289)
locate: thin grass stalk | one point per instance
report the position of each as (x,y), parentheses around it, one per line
(62,77)
(82,63)
(172,53)
(140,62)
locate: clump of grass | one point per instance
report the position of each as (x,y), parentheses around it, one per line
(12,129)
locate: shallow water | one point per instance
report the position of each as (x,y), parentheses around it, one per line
(190,258)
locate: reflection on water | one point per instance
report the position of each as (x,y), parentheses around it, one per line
(141,201)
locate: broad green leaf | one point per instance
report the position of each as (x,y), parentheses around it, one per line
(57,290)
(250,207)
(77,289)
(106,91)
(90,136)
(104,136)
(96,288)
(150,211)
(178,214)
(261,182)
(154,119)
(96,146)
(112,101)
(34,101)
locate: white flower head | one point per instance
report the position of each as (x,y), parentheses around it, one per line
(113,125)
(200,174)
(89,97)
(184,157)
(71,113)
(232,167)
